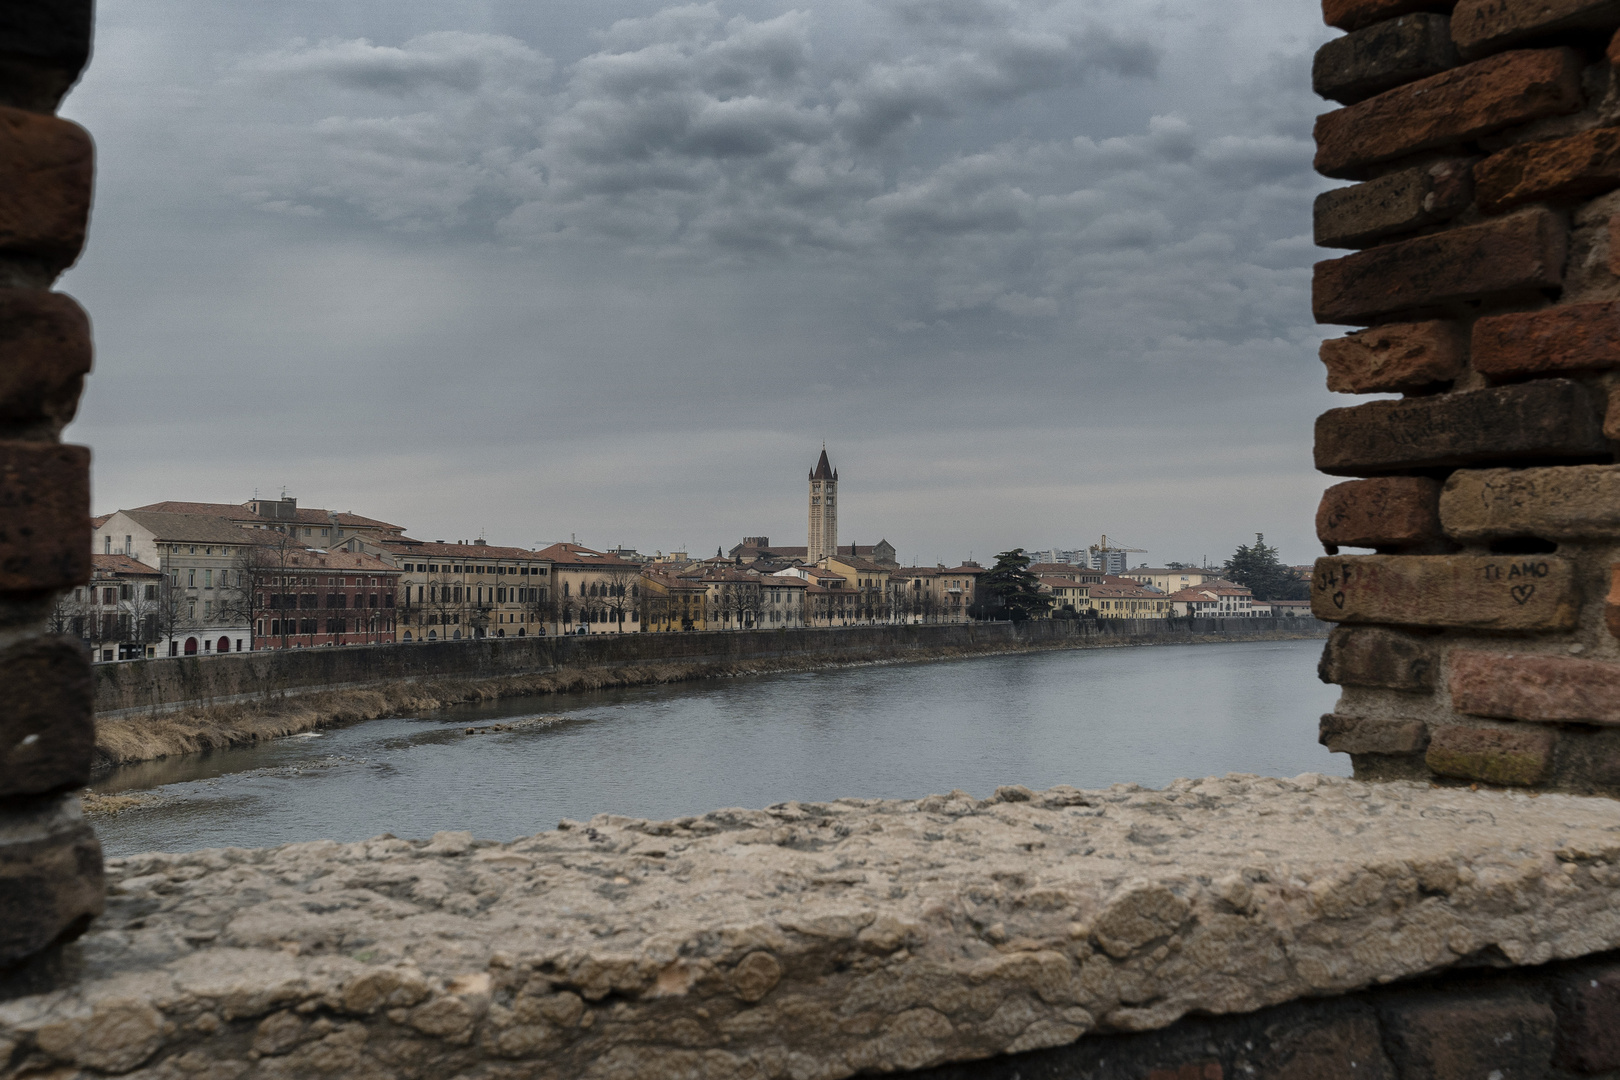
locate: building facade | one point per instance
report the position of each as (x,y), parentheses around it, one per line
(933,594)
(449,592)
(307,597)
(593,592)
(202,606)
(116,614)
(671,604)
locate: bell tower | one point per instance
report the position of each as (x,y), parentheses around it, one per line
(823,510)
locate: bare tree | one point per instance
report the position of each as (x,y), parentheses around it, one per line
(620,593)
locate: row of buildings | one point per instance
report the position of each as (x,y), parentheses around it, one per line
(188,578)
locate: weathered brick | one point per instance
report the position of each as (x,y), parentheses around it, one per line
(1558,503)
(1546,420)
(1384,55)
(1611,415)
(1449,109)
(1587,1001)
(1612,53)
(1347,1046)
(1482,26)
(1547,689)
(1395,357)
(1355,14)
(45,177)
(1385,512)
(51,882)
(44,355)
(1518,756)
(43,46)
(47,726)
(1376,656)
(1556,340)
(1568,168)
(44,516)
(1486,592)
(1611,603)
(1457,1035)
(1363,214)
(1521,252)
(1372,734)
(1200,1070)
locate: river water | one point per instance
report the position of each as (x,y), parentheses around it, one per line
(1089,718)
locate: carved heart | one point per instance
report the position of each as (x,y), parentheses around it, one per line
(1338,600)
(1522,593)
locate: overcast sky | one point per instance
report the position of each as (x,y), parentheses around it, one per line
(1035,270)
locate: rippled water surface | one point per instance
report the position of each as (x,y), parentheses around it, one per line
(1088,718)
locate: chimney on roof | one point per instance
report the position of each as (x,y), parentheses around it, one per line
(480,542)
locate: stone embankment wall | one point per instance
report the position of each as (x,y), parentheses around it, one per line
(50,863)
(144,685)
(1479,642)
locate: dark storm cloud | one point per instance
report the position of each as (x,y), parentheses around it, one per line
(1056,252)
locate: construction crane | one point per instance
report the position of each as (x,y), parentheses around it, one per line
(1100,551)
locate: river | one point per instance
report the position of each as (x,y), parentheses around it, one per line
(1090,718)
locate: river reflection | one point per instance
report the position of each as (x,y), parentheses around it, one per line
(1088,718)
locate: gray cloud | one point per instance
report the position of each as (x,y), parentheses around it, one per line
(1044,260)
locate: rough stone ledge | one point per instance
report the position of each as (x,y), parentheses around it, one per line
(812,940)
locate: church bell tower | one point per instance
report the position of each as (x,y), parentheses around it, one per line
(823,510)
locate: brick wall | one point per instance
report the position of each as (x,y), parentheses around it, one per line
(50,862)
(1478,643)
(1558,1022)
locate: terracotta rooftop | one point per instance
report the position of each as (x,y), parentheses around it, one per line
(121,564)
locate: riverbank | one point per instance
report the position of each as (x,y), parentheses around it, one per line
(131,737)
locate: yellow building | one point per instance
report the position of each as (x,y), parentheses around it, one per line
(1067,594)
(867,581)
(1120,598)
(933,594)
(593,592)
(1171,580)
(455,591)
(670,603)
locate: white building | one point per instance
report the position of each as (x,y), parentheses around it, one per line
(200,609)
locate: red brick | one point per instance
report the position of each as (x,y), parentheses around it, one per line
(1517,757)
(1203,1070)
(1522,252)
(1568,168)
(1395,357)
(46,169)
(1377,656)
(44,355)
(1541,421)
(1575,337)
(1354,14)
(43,46)
(47,729)
(1383,55)
(1549,689)
(1588,1005)
(1563,502)
(1372,734)
(44,516)
(1612,53)
(1385,512)
(1344,1047)
(1402,202)
(1611,603)
(1449,109)
(1485,592)
(1482,26)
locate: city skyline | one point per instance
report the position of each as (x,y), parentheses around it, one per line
(1039,269)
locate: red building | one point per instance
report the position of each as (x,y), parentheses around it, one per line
(306,597)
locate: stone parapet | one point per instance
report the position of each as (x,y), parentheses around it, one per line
(1486,211)
(821,941)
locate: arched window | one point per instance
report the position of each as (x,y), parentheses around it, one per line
(191,646)
(224,645)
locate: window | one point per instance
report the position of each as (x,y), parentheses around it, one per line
(191,579)
(106,542)
(208,579)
